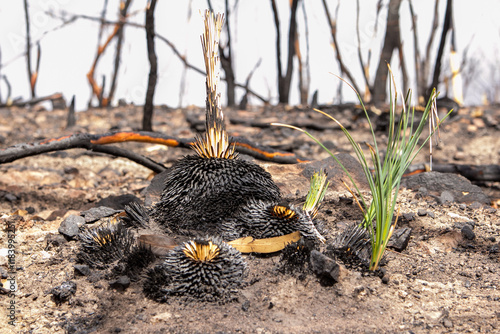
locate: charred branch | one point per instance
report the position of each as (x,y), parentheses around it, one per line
(333,31)
(94,142)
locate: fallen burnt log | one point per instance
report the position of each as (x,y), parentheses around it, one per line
(52,97)
(96,142)
(471,172)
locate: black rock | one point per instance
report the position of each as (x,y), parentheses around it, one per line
(71,170)
(121,283)
(422,212)
(63,292)
(325,267)
(467,232)
(82,269)
(400,238)
(70,226)
(94,214)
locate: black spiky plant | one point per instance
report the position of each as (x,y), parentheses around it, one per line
(203,269)
(200,190)
(102,246)
(113,247)
(353,247)
(265,219)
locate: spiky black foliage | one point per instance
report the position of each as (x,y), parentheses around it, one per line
(200,192)
(353,247)
(265,219)
(103,246)
(207,270)
(135,262)
(137,216)
(113,247)
(294,258)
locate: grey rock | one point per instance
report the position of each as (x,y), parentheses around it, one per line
(70,226)
(10,197)
(82,269)
(121,283)
(63,292)
(446,197)
(447,323)
(94,214)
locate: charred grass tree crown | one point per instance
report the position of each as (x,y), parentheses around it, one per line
(200,191)
(204,269)
(215,143)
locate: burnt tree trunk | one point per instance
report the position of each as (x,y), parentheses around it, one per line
(150,38)
(437,67)
(391,41)
(285,80)
(28,49)
(226,60)
(119,42)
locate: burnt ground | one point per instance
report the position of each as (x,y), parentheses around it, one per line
(445,281)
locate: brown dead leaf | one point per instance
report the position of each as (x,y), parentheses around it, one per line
(269,245)
(159,244)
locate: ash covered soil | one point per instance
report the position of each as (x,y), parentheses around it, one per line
(446,280)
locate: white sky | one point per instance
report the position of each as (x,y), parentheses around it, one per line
(67,54)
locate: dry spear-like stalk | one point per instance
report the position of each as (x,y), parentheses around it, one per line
(215,143)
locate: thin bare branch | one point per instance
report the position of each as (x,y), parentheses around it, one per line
(333,30)
(174,49)
(364,67)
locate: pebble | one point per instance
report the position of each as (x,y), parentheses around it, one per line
(410,216)
(82,269)
(459,156)
(10,197)
(447,323)
(422,212)
(121,283)
(63,292)
(467,232)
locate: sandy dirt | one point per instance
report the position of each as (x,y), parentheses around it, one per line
(442,283)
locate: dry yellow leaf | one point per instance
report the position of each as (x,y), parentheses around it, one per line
(20,212)
(269,245)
